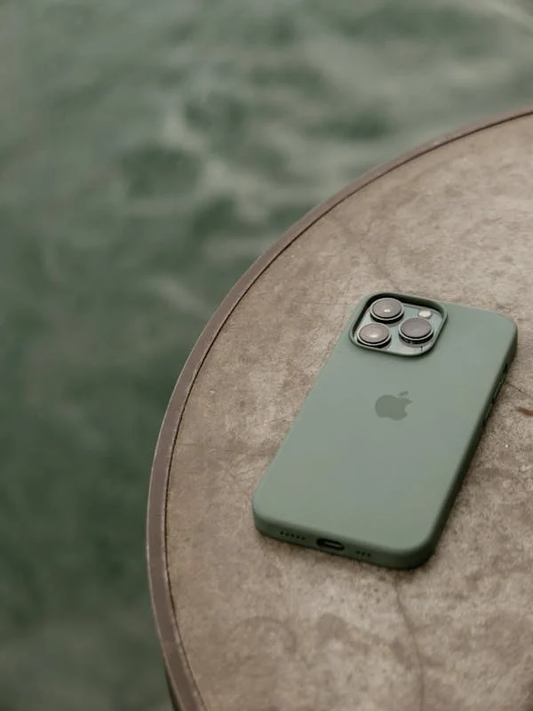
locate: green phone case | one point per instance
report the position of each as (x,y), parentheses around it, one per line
(379,489)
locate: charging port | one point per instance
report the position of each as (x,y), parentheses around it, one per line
(327,543)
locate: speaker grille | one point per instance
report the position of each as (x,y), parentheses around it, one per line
(293,536)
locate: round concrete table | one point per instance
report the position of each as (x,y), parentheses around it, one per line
(250,624)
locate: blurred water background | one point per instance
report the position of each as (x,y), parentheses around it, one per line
(149,151)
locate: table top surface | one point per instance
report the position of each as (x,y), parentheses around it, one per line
(252,624)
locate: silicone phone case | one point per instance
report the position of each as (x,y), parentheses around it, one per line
(379,488)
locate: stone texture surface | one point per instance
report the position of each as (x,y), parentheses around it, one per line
(271,627)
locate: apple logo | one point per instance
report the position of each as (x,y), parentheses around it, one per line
(392,406)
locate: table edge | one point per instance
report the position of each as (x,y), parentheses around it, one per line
(182,685)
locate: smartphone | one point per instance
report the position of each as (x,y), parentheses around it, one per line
(373,462)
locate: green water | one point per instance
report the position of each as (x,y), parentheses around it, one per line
(149,151)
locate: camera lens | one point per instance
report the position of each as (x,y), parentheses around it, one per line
(374,334)
(416,330)
(386,310)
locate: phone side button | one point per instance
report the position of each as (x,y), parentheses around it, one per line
(498,388)
(487,413)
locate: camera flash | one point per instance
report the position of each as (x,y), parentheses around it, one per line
(425,313)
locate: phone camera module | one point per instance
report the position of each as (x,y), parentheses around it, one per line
(374,334)
(386,310)
(416,330)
